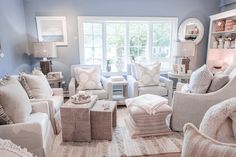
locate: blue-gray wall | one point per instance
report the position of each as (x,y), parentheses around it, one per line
(13,38)
(183,9)
(227,5)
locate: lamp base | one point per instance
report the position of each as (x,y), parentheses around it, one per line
(46,66)
(186,62)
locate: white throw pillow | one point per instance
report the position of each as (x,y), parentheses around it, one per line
(14,100)
(38,85)
(218,81)
(88,78)
(200,80)
(148,75)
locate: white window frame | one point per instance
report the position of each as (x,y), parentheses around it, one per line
(104,19)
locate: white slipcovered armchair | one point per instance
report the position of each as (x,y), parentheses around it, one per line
(191,107)
(105,93)
(165,88)
(36,134)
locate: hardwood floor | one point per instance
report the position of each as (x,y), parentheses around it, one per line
(121,144)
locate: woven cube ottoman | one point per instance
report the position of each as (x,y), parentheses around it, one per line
(140,124)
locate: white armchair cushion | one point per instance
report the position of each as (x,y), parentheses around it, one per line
(147,75)
(14,100)
(156,90)
(88,78)
(101,93)
(200,80)
(39,85)
(233,117)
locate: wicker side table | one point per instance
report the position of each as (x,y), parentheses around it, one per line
(75,120)
(103,120)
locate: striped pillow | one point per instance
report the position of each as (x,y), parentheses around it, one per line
(23,82)
(196,144)
(4,119)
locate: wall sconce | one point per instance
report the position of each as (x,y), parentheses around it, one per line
(1,53)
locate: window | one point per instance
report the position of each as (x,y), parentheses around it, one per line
(115,41)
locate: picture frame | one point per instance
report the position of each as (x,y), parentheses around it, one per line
(175,68)
(181,69)
(52,29)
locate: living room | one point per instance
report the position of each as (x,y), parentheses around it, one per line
(117,78)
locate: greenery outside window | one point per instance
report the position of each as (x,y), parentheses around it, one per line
(115,41)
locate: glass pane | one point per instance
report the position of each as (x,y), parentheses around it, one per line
(93,55)
(87,28)
(97,29)
(138,39)
(88,40)
(97,41)
(115,35)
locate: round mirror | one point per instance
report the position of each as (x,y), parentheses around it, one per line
(191,30)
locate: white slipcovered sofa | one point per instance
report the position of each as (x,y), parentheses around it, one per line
(191,107)
(165,88)
(105,93)
(36,134)
(54,104)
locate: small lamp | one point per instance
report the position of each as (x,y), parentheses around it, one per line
(45,50)
(185,50)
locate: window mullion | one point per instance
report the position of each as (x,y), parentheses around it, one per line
(104,47)
(127,43)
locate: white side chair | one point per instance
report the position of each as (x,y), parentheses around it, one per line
(105,93)
(165,88)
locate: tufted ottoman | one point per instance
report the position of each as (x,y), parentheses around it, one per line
(140,123)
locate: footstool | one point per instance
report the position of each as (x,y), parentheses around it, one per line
(140,124)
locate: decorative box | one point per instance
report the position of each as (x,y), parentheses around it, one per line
(219,25)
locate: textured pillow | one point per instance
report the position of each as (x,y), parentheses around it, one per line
(218,81)
(147,75)
(88,78)
(23,82)
(233,117)
(200,80)
(39,85)
(4,119)
(15,101)
(196,144)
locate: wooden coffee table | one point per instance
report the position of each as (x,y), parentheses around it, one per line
(75,120)
(103,119)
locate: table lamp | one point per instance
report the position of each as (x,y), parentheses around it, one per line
(185,50)
(45,50)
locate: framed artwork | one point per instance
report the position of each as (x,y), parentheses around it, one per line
(52,29)
(181,69)
(175,68)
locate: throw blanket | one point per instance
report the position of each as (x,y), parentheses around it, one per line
(216,116)
(147,102)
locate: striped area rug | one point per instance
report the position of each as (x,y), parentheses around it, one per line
(122,145)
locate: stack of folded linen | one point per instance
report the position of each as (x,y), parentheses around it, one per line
(142,121)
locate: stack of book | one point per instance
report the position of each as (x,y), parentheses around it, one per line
(117,78)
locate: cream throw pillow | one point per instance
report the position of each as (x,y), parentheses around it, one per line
(219,81)
(196,144)
(200,80)
(14,100)
(147,75)
(88,78)
(38,85)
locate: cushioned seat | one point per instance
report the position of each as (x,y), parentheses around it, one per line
(156,90)
(40,118)
(101,93)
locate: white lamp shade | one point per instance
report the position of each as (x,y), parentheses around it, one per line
(185,49)
(44,50)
